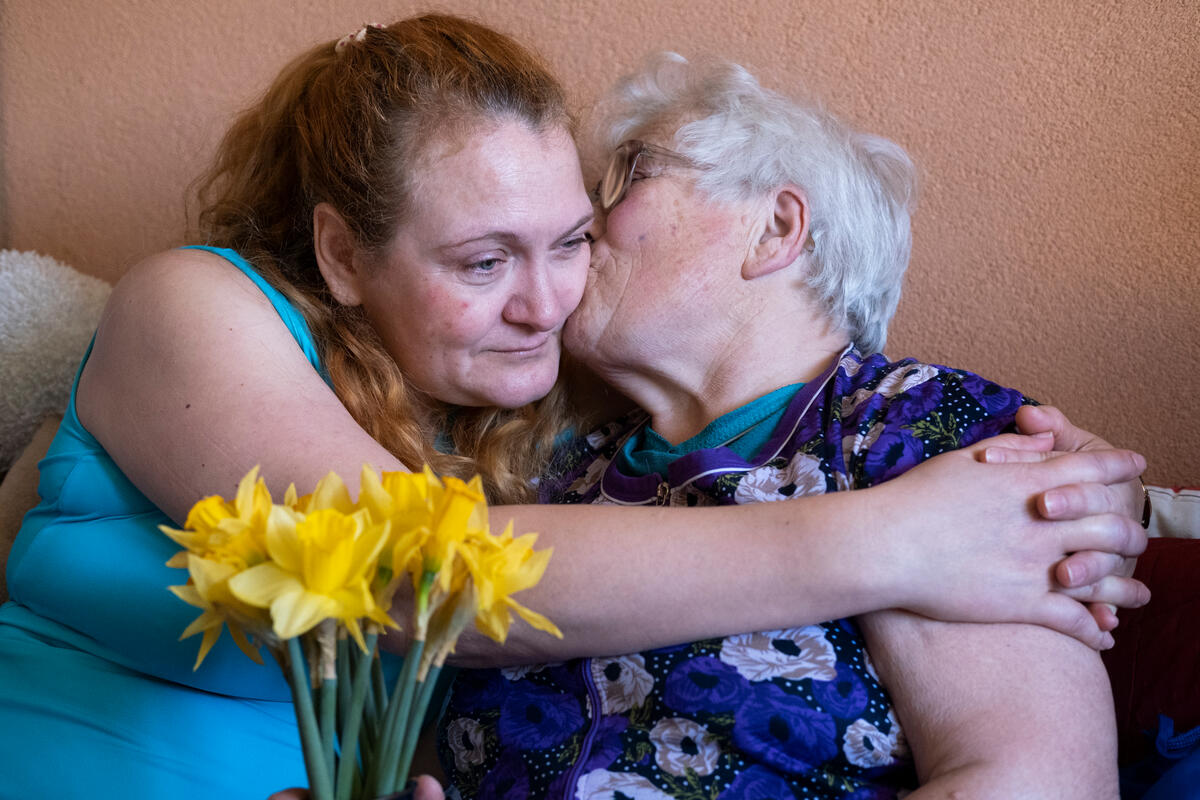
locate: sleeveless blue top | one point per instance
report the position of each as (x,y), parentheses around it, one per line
(92,674)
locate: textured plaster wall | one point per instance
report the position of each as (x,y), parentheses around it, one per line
(1058,232)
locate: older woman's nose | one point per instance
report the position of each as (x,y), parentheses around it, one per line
(535,301)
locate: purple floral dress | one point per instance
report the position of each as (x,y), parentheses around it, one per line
(796,713)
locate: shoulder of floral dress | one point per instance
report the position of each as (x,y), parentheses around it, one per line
(913,411)
(877,382)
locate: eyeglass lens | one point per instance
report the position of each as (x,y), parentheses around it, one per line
(618,175)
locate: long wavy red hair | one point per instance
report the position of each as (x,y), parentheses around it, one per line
(347,128)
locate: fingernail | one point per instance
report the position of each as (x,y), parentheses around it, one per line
(1072,574)
(1044,435)
(1108,642)
(1054,503)
(993,455)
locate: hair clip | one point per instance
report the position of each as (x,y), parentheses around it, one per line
(357,36)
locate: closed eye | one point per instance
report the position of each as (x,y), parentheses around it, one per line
(576,242)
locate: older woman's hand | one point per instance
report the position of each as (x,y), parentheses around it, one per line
(999,562)
(1092,576)
(427,789)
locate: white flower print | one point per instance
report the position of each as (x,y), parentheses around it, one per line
(866,746)
(623,682)
(795,653)
(859,443)
(590,478)
(896,735)
(894,383)
(600,784)
(515,673)
(763,484)
(466,742)
(681,744)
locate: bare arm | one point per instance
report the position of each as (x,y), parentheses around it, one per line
(625,578)
(1003,711)
(194,379)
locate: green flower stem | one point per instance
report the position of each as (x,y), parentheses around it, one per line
(319,782)
(326,660)
(365,663)
(413,727)
(328,705)
(378,686)
(348,762)
(388,754)
(343,677)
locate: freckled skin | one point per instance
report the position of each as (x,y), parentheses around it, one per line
(472,293)
(645,295)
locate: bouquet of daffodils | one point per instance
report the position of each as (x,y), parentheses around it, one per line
(313,579)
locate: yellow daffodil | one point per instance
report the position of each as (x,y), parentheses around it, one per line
(501,566)
(232,533)
(208,589)
(320,568)
(405,501)
(301,575)
(460,510)
(403,498)
(221,540)
(330,492)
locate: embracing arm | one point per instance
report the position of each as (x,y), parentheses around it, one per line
(1003,711)
(194,379)
(639,578)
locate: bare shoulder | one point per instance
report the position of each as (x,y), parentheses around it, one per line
(181,282)
(194,378)
(167,317)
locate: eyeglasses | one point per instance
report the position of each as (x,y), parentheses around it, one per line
(622,165)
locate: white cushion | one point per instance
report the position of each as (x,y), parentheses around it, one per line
(1176,512)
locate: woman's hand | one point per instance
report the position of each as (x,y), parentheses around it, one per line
(974,547)
(427,789)
(1088,575)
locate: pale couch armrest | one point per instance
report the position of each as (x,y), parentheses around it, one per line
(18,492)
(1176,512)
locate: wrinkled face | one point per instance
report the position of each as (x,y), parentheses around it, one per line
(659,270)
(475,287)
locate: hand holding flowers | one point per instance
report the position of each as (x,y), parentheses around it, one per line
(313,579)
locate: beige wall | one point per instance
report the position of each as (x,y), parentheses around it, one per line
(1059,224)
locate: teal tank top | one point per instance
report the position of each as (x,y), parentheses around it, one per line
(88,568)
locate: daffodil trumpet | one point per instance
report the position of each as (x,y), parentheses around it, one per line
(313,579)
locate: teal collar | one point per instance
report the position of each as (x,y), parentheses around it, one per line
(744,431)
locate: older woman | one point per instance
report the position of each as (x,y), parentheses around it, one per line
(751,260)
(395,235)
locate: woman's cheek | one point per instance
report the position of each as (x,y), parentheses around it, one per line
(453,318)
(572,291)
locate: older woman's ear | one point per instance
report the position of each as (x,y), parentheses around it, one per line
(785,234)
(334,246)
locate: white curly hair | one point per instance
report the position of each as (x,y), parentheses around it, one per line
(860,187)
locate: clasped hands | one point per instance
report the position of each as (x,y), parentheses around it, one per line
(1044,528)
